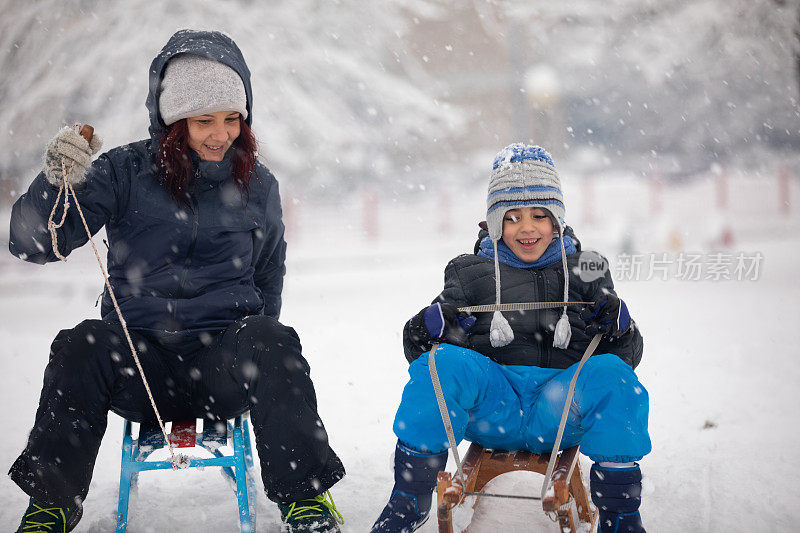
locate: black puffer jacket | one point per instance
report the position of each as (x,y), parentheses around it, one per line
(469,280)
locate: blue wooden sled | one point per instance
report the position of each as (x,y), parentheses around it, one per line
(238,467)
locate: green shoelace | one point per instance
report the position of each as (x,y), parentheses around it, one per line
(307,509)
(33,525)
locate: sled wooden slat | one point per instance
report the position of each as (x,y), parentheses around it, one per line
(567,461)
(558,499)
(567,497)
(444,509)
(578,490)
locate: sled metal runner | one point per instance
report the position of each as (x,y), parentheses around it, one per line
(567,498)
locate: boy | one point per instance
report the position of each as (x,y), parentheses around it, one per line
(505,376)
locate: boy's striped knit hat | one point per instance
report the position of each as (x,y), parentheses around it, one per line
(524,176)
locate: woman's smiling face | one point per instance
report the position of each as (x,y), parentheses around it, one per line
(528,231)
(211,135)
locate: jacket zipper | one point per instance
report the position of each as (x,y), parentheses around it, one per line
(544,347)
(188,261)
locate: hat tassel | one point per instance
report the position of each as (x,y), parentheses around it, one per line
(500,333)
(563,332)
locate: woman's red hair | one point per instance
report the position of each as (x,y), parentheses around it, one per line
(175,161)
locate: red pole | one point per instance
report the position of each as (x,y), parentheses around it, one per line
(445,212)
(656,193)
(722,190)
(291,205)
(588,199)
(784,190)
(369,218)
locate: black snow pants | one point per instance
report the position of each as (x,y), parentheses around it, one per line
(255,364)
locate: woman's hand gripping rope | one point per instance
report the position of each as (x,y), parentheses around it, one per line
(61,149)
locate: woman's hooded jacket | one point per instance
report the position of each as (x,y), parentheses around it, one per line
(176,271)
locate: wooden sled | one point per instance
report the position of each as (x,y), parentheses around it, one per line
(567,498)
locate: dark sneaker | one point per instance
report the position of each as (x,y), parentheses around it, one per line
(414,480)
(403,514)
(42,518)
(314,515)
(620,523)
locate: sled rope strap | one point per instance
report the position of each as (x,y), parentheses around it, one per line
(524,306)
(66,188)
(570,393)
(448,426)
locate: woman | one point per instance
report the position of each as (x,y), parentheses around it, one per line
(196,261)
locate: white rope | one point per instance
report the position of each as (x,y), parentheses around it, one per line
(66,188)
(564,265)
(496,273)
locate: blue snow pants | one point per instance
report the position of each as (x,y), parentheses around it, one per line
(519,407)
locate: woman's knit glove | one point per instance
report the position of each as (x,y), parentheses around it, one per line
(607,315)
(74,151)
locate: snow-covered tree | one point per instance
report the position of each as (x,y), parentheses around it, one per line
(681,83)
(330,108)
(344,95)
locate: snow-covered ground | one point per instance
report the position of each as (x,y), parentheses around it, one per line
(719,365)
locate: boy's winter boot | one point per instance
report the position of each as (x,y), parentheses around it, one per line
(617,493)
(414,480)
(43,518)
(313,515)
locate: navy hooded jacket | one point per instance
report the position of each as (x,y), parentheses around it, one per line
(176,272)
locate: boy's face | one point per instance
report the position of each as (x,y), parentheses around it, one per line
(528,231)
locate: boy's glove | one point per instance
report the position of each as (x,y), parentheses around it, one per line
(76,153)
(440,322)
(608,315)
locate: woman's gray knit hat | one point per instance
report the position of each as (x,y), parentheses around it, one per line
(193,85)
(524,176)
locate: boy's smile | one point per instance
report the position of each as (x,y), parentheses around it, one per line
(527,231)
